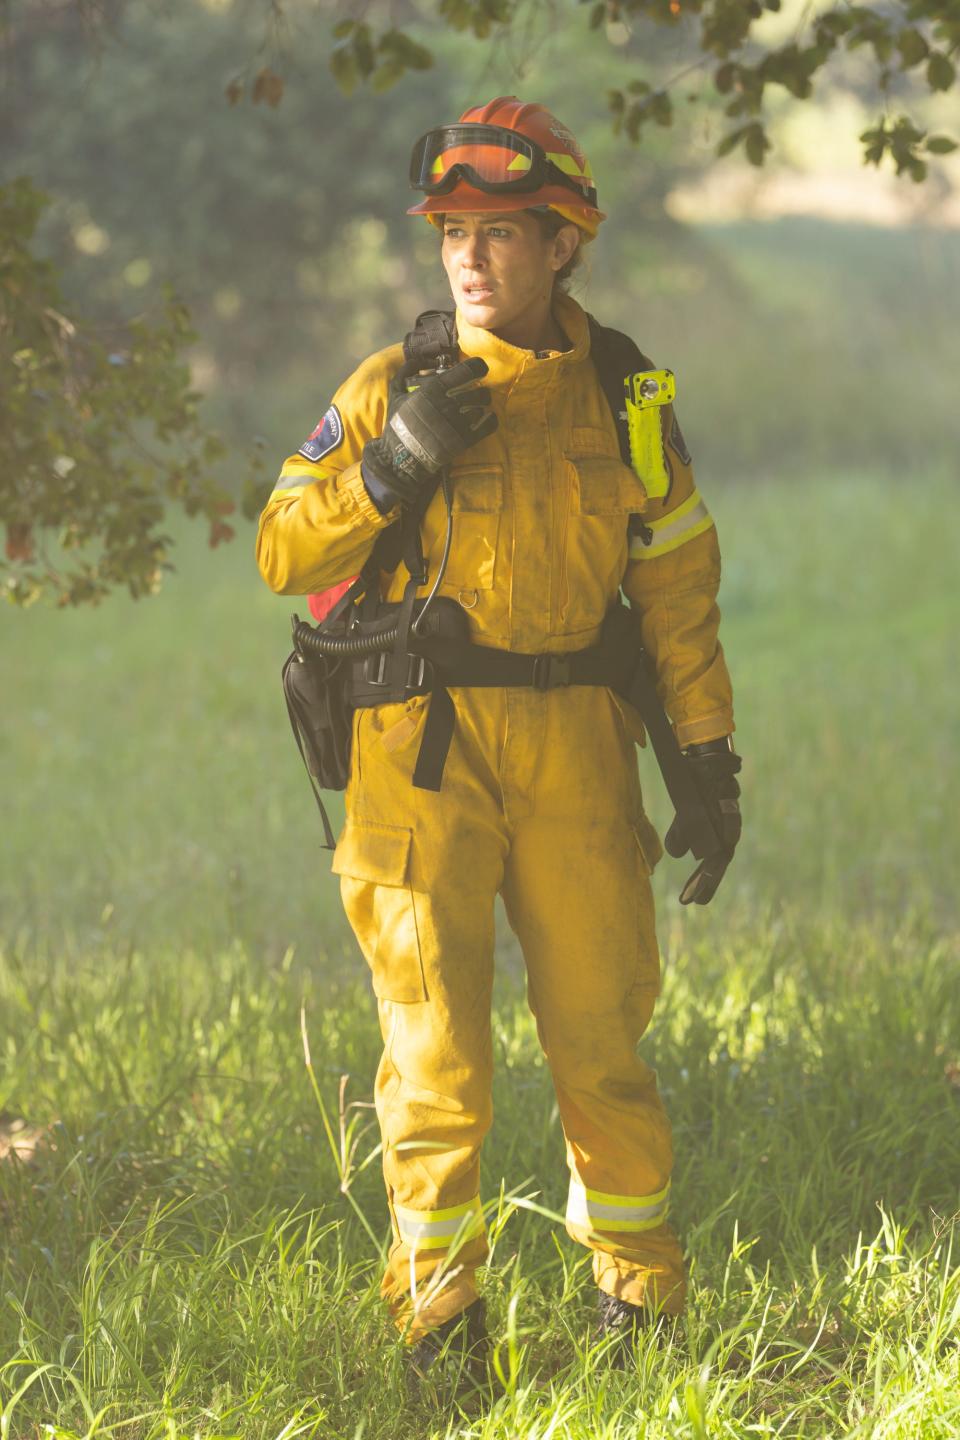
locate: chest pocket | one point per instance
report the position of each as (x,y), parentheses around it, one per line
(605,486)
(477,509)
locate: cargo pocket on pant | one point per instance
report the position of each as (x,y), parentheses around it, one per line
(373,862)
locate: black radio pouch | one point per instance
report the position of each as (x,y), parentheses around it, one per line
(316,695)
(316,689)
(322,691)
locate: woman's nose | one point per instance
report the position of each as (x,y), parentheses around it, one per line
(475,251)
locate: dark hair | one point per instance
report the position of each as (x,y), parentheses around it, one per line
(550,224)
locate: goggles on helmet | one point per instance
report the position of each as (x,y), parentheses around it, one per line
(498,161)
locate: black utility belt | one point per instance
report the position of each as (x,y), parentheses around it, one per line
(372,653)
(453,659)
(443,656)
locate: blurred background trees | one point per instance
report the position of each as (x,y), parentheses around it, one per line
(276,231)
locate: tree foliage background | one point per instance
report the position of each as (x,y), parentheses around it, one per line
(224,217)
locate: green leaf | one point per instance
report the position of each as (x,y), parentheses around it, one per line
(912,46)
(940,145)
(724,76)
(363,51)
(756,144)
(882,42)
(941,72)
(633,123)
(797,82)
(386,76)
(343,28)
(343,67)
(835,23)
(661,108)
(875,143)
(395,45)
(731,140)
(457,13)
(906,133)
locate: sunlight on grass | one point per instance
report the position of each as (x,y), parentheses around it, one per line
(192,1238)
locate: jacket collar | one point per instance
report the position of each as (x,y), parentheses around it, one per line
(509,363)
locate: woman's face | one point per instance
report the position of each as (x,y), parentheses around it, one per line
(501,267)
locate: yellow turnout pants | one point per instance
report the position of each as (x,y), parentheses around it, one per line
(541,803)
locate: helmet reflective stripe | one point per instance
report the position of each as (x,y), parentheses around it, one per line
(599,1210)
(673,530)
(520,162)
(437,1229)
(568,164)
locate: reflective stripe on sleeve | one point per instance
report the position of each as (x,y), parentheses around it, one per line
(436,1229)
(689,519)
(596,1210)
(295,475)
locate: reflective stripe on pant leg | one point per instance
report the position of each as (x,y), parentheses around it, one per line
(597,1211)
(440,1229)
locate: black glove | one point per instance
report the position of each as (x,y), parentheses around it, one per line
(444,416)
(714,768)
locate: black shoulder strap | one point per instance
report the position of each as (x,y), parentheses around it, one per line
(433,335)
(616,357)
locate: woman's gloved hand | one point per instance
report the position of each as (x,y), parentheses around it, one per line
(431,426)
(714,767)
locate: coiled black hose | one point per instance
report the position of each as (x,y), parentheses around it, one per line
(310,640)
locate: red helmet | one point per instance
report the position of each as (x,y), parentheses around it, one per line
(504,156)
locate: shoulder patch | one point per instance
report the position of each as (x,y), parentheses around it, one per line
(326,437)
(677,441)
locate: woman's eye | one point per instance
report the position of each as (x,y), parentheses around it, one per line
(452,234)
(498,232)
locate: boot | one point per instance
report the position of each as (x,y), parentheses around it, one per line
(457,1351)
(629,1323)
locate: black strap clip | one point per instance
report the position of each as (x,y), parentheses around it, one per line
(551,671)
(378,670)
(636,525)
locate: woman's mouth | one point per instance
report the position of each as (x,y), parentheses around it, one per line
(477,293)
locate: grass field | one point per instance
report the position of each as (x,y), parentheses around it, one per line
(191,1253)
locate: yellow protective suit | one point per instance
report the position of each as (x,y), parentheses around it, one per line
(540,802)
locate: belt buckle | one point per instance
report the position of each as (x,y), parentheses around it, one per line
(375,668)
(551,671)
(416,672)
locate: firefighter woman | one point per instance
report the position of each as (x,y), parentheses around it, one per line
(539,799)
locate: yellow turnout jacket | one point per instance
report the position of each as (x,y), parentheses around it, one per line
(540,544)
